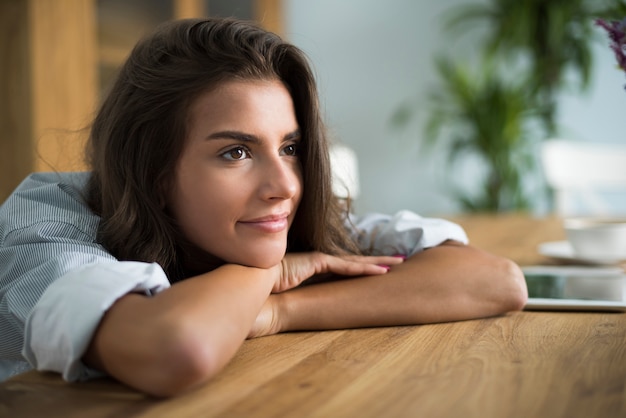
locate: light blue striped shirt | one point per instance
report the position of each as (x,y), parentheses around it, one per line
(56,281)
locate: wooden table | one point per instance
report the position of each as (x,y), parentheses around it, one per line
(525,364)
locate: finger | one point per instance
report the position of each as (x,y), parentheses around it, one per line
(386,260)
(354,268)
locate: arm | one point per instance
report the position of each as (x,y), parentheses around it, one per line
(445,283)
(186,334)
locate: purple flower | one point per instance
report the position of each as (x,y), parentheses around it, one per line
(617,35)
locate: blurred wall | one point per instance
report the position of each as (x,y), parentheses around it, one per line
(372,55)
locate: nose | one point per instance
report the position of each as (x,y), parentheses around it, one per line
(280,179)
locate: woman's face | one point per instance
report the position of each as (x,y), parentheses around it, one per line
(238,182)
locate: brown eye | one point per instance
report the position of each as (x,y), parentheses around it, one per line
(291,150)
(236,154)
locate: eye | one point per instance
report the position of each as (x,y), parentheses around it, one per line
(290,150)
(236,154)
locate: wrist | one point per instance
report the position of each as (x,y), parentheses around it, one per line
(279,310)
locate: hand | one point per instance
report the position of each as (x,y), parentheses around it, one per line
(298,267)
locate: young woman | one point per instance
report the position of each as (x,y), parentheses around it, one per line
(208,205)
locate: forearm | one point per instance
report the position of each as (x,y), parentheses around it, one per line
(446,283)
(183,335)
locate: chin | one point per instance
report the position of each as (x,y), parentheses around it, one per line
(263,258)
(264,262)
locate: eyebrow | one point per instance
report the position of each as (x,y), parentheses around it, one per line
(244,137)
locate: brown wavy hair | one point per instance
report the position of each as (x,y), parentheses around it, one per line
(139,132)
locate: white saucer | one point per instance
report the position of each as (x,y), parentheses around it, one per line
(563,250)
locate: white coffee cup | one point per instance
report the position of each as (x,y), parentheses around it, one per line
(597,238)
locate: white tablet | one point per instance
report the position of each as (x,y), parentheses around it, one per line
(574,288)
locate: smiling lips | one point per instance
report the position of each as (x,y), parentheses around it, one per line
(269,224)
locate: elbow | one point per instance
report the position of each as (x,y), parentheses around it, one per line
(185,360)
(192,367)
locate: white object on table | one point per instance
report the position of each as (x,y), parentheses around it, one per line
(345,172)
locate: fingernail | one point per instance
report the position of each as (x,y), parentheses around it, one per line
(402,256)
(384,266)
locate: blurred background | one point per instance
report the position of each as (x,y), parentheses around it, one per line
(445,103)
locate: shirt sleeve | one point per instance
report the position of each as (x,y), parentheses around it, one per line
(61,325)
(404,233)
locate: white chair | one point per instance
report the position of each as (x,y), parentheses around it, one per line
(584,176)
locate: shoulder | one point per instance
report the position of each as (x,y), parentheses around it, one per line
(48,185)
(49,198)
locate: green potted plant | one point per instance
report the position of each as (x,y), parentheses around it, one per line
(480,113)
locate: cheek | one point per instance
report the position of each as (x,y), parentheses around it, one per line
(199,218)
(186,201)
(207,204)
